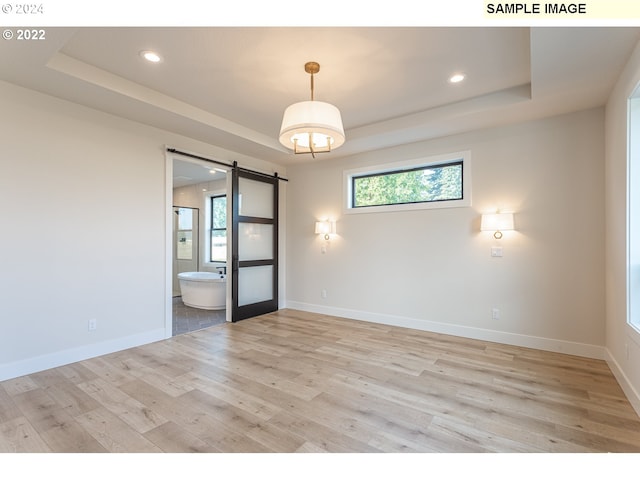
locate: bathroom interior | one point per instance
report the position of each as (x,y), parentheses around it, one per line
(199,246)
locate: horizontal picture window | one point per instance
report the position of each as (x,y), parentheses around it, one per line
(428,183)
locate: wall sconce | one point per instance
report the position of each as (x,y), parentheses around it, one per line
(326,228)
(497,223)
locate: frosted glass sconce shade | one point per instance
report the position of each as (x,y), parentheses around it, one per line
(497,222)
(325,228)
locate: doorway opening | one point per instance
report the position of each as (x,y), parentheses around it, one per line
(198,240)
(242,248)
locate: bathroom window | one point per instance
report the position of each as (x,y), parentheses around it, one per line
(218,231)
(434,182)
(184,244)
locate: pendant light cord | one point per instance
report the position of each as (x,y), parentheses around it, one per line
(312,87)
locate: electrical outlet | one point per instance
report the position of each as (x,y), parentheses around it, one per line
(323,293)
(93,324)
(495,313)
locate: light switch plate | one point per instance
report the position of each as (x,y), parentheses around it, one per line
(496,251)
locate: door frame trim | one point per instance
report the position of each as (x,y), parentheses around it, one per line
(168,239)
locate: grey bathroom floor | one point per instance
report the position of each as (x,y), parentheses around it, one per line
(188,319)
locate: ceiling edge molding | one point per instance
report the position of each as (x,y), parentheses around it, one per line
(434,122)
(101,78)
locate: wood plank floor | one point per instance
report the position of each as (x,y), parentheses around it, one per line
(298,382)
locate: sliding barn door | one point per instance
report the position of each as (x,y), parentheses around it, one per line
(254,244)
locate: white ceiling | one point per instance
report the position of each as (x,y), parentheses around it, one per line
(228,86)
(189,173)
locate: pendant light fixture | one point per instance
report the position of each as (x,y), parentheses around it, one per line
(311,126)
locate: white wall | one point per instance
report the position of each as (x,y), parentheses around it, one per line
(432,269)
(193,195)
(83,235)
(623,343)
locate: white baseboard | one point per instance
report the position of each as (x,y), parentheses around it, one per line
(540,343)
(64,357)
(631,393)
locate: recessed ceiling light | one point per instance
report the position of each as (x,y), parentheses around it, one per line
(150,56)
(457,78)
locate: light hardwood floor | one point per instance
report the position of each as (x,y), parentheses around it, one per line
(298,382)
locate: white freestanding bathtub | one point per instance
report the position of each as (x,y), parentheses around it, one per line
(206,290)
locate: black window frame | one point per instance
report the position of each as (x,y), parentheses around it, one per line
(353,178)
(215,229)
